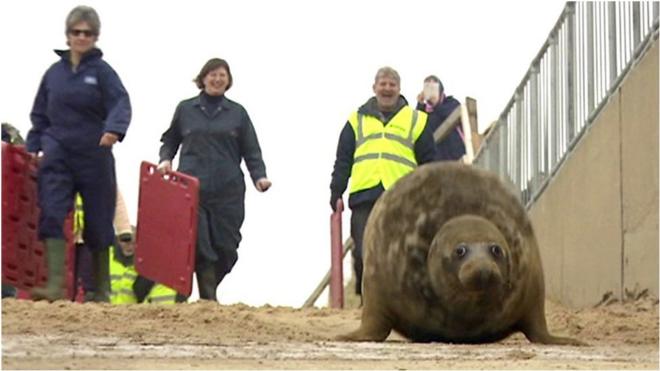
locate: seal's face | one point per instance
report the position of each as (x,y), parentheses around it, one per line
(478,265)
(470,256)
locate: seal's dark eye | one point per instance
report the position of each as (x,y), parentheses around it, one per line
(461,250)
(496,250)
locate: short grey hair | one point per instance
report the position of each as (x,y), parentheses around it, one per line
(83,13)
(388,72)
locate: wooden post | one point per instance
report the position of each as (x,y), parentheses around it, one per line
(348,245)
(448,125)
(467,135)
(471,105)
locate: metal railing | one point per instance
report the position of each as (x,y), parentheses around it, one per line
(587,54)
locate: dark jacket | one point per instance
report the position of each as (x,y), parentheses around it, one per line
(213,143)
(452,147)
(424,152)
(77,108)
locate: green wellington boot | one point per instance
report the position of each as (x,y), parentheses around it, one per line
(55,255)
(101,271)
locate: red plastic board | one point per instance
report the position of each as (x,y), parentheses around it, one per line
(23,255)
(337,258)
(167,227)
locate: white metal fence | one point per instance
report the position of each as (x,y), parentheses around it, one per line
(588,52)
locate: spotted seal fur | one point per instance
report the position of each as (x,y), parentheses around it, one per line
(450,256)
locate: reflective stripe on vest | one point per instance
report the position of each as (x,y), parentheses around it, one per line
(384,153)
(78,219)
(161,294)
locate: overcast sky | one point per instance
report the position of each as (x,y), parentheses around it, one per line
(300,68)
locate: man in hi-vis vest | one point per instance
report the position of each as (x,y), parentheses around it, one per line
(382,141)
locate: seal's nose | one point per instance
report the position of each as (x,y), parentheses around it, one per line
(485,277)
(480,276)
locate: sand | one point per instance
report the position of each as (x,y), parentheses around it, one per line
(206,335)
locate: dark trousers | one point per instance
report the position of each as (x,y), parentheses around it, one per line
(359,215)
(219,220)
(62,173)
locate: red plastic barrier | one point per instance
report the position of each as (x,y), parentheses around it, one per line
(336,266)
(167,227)
(23,255)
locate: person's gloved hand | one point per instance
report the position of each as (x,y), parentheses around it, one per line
(164,167)
(333,200)
(262,184)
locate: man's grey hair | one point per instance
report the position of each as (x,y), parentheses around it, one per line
(83,13)
(388,72)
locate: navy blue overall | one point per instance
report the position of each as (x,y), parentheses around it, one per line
(71,111)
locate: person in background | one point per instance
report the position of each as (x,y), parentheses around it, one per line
(438,106)
(381,142)
(123,275)
(80,111)
(215,134)
(127,286)
(124,235)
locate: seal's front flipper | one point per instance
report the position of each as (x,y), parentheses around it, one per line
(365,334)
(374,327)
(546,338)
(536,330)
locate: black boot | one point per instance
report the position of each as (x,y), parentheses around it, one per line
(54,289)
(206,283)
(101,271)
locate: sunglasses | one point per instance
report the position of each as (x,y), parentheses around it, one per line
(86,33)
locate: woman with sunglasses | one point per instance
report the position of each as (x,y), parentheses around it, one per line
(81,110)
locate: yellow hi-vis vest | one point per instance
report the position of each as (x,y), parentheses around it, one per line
(121,286)
(384,153)
(121,281)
